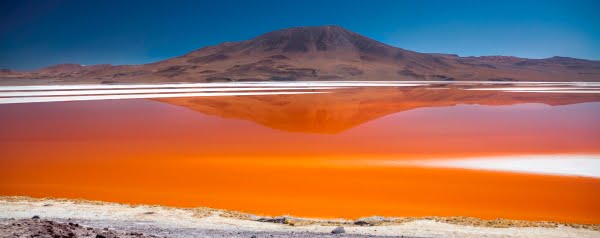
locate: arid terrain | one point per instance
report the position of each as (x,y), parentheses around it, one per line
(25,217)
(314,53)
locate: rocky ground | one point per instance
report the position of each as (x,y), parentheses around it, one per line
(36,227)
(27,217)
(59,228)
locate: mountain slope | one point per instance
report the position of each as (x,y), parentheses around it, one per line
(322,53)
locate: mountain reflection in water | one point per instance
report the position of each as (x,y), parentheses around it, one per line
(346,108)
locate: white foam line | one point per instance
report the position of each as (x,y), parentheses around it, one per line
(553,91)
(137,96)
(115,86)
(564,165)
(456,81)
(530,89)
(532,83)
(139,91)
(283,84)
(204,85)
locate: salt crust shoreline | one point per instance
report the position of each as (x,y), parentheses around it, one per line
(209,222)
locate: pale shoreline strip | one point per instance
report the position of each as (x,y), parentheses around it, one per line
(180,221)
(137,96)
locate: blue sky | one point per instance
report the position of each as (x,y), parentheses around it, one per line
(35,34)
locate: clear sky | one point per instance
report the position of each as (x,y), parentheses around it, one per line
(38,33)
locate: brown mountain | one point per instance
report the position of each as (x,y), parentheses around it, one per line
(321,53)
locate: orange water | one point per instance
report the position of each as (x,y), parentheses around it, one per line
(143,151)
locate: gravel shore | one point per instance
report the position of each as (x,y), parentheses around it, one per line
(127,229)
(27,217)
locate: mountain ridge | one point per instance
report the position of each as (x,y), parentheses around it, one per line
(321,53)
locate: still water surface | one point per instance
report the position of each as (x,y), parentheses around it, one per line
(350,152)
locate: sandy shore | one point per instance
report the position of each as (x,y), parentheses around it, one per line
(88,219)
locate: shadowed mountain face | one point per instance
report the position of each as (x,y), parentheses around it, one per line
(343,109)
(321,53)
